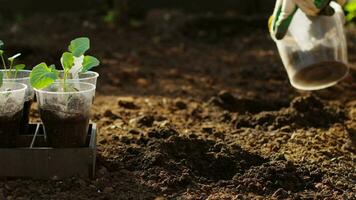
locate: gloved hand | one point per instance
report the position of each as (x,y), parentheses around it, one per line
(285,10)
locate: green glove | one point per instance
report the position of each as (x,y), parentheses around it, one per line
(285,10)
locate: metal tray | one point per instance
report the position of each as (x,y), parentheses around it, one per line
(32,158)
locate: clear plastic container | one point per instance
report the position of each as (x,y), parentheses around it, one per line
(66,113)
(12,98)
(87,77)
(314,50)
(22,76)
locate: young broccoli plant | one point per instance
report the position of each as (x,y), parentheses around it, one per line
(9,68)
(73,63)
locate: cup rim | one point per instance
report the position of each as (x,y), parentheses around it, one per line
(23,78)
(93,88)
(96,75)
(24,87)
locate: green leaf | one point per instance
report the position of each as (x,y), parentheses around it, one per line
(67,60)
(79,46)
(12,58)
(42,76)
(1,44)
(1,78)
(350,6)
(20,67)
(89,62)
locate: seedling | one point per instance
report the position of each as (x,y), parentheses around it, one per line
(73,62)
(9,67)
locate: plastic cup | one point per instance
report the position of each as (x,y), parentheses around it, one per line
(87,77)
(314,50)
(22,76)
(66,113)
(12,98)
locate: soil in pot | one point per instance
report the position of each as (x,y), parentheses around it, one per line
(25,117)
(321,73)
(64,130)
(9,128)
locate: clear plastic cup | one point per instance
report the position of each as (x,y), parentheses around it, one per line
(87,77)
(12,98)
(314,50)
(22,76)
(66,113)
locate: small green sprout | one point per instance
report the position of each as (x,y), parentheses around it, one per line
(73,62)
(9,68)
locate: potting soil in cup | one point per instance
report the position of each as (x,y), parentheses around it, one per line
(65,131)
(65,125)
(322,73)
(22,76)
(9,128)
(317,74)
(24,124)
(10,117)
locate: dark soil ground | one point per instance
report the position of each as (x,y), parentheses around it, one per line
(193,107)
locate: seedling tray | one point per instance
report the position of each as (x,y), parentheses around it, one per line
(33,158)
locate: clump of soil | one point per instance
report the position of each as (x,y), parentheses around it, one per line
(278,176)
(231,103)
(127,104)
(201,158)
(305,111)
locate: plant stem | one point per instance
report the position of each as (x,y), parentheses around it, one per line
(3,61)
(4,64)
(65,76)
(10,68)
(16,74)
(11,64)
